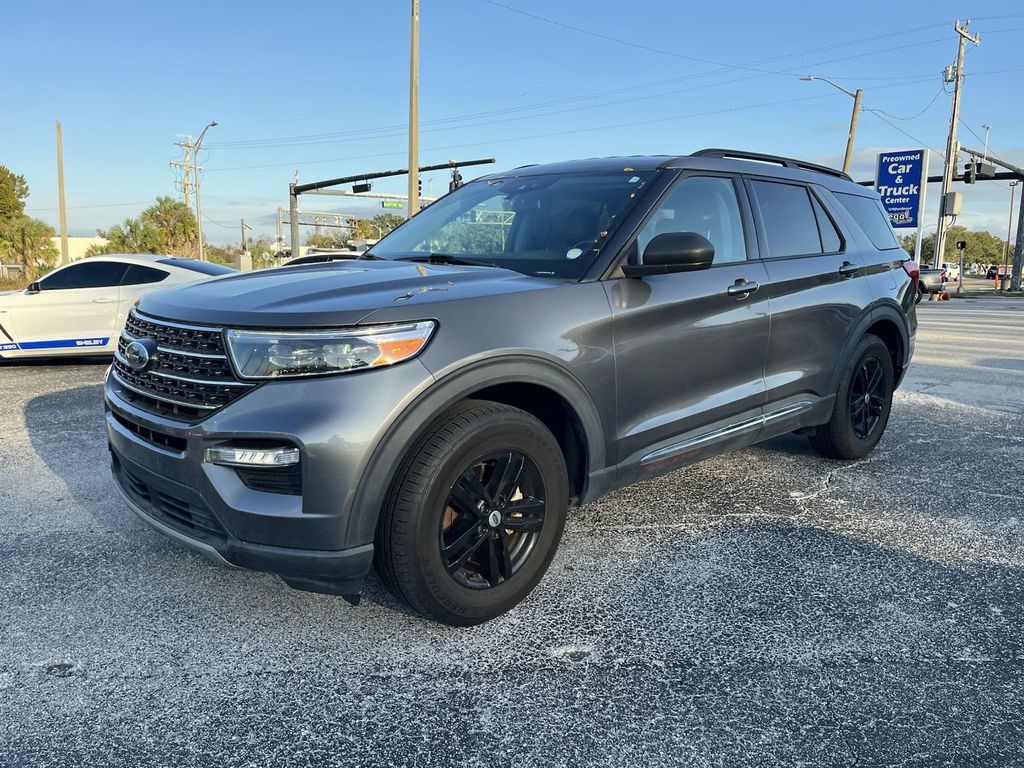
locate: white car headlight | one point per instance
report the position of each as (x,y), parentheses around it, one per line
(284,354)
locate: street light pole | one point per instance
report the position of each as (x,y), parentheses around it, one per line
(856,96)
(195,165)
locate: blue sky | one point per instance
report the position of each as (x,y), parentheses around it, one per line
(322,88)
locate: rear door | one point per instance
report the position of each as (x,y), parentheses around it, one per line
(75,309)
(690,354)
(819,292)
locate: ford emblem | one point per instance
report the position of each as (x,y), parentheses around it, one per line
(139,353)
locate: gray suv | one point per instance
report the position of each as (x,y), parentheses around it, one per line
(527,343)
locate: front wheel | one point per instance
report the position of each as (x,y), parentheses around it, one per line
(862,405)
(474,515)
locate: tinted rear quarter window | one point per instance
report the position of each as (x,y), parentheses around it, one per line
(790,226)
(831,242)
(139,275)
(870,216)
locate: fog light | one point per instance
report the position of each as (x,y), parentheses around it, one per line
(252,457)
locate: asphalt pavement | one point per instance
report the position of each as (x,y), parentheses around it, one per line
(764,608)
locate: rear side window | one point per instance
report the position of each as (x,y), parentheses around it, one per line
(869,215)
(139,275)
(831,242)
(790,226)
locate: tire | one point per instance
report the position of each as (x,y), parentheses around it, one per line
(440,512)
(856,426)
(920,293)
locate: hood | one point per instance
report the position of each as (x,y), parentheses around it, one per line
(331,294)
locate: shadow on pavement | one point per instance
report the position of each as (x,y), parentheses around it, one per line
(67,432)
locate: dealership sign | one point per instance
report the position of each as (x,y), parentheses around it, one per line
(901,180)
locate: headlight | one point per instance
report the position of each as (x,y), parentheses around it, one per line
(283,354)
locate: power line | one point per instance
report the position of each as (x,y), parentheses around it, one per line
(399,129)
(941,91)
(97,205)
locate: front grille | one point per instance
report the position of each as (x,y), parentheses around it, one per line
(190,375)
(162,439)
(169,509)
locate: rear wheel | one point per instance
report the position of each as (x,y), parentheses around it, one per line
(862,405)
(475,514)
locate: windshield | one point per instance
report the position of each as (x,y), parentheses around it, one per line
(545,225)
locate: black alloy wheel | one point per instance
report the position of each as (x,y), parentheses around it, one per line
(492,520)
(867,397)
(474,514)
(863,401)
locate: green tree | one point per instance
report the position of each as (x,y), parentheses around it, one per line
(167,226)
(27,242)
(983,247)
(132,236)
(177,223)
(23,240)
(13,191)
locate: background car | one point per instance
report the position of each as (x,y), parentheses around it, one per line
(930,280)
(322,257)
(1000,270)
(80,308)
(952,271)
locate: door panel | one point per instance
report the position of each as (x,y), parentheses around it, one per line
(814,309)
(819,289)
(65,320)
(690,347)
(74,311)
(688,355)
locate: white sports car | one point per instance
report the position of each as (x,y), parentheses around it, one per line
(80,308)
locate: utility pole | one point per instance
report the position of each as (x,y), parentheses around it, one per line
(195,166)
(185,165)
(952,147)
(848,159)
(60,197)
(1009,230)
(414,116)
(245,240)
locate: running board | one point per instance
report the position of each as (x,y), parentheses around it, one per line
(733,429)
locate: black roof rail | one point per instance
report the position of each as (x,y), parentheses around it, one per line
(788,162)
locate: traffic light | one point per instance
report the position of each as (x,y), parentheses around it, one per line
(971,172)
(456,181)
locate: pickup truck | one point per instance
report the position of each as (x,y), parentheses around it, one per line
(930,280)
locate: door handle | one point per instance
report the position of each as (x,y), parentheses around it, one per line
(849,269)
(742,288)
(103,300)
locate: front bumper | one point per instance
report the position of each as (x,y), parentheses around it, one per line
(334,421)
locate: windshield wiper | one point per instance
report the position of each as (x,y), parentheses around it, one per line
(447,258)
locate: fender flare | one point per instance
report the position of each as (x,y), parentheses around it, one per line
(881,310)
(399,436)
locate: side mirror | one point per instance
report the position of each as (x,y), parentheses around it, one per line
(33,288)
(673,252)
